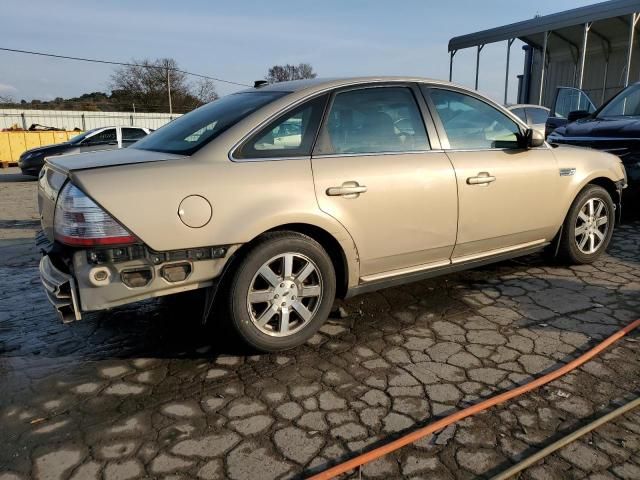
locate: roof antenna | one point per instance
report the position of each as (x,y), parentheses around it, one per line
(260,83)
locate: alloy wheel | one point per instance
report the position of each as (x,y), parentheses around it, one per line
(284,294)
(592,226)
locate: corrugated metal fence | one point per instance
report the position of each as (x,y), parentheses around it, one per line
(81,120)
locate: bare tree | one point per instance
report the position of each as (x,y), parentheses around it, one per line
(146,85)
(6,99)
(205,90)
(283,73)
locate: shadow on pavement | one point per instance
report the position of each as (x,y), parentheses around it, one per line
(12,177)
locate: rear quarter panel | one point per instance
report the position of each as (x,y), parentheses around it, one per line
(247,199)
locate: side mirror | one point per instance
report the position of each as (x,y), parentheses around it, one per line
(530,139)
(536,138)
(577,115)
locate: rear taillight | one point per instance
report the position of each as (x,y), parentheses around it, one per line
(79,221)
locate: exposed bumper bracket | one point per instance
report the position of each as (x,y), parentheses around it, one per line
(60,288)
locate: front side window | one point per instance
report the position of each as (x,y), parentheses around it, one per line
(571,99)
(473,124)
(291,135)
(626,104)
(373,120)
(188,133)
(104,137)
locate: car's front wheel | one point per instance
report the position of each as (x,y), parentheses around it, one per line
(281,292)
(588,228)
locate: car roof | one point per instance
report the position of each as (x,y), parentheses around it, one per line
(527,105)
(329,83)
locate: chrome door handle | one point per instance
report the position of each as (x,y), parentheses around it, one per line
(483,178)
(347,190)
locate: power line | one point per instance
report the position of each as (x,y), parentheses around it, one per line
(108,62)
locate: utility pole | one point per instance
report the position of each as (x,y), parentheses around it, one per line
(169,91)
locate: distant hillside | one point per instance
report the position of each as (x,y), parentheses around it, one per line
(103,102)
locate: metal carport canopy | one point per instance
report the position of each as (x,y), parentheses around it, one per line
(569,29)
(530,31)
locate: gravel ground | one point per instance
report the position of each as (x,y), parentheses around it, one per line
(146,392)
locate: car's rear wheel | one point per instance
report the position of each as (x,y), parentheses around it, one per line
(281,291)
(588,228)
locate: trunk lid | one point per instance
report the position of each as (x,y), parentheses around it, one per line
(57,169)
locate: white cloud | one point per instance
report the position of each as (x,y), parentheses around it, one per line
(6,89)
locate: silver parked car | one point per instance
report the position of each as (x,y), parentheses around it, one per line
(533,115)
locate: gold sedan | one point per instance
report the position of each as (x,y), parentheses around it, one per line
(279,198)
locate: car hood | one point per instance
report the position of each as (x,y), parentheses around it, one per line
(612,127)
(108,158)
(50,149)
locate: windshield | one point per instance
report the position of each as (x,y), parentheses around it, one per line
(626,104)
(190,132)
(78,138)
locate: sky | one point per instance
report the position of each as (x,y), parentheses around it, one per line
(240,40)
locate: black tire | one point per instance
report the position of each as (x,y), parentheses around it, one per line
(569,250)
(243,277)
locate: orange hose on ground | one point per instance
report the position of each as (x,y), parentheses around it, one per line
(472,410)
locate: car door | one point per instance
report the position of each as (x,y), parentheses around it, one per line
(567,100)
(507,194)
(106,139)
(379,173)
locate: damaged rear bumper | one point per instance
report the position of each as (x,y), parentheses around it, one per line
(61,291)
(81,281)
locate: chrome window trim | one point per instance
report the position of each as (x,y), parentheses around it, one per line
(346,87)
(544,147)
(415,92)
(289,107)
(271,159)
(374,154)
(426,88)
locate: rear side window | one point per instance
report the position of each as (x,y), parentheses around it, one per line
(537,115)
(290,135)
(132,134)
(373,120)
(190,132)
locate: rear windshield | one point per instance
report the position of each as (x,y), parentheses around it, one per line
(82,136)
(190,132)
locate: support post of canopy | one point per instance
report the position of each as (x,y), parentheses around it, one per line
(583,56)
(169,92)
(632,32)
(604,80)
(452,54)
(506,76)
(543,67)
(480,47)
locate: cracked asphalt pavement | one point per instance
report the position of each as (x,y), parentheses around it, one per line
(146,392)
